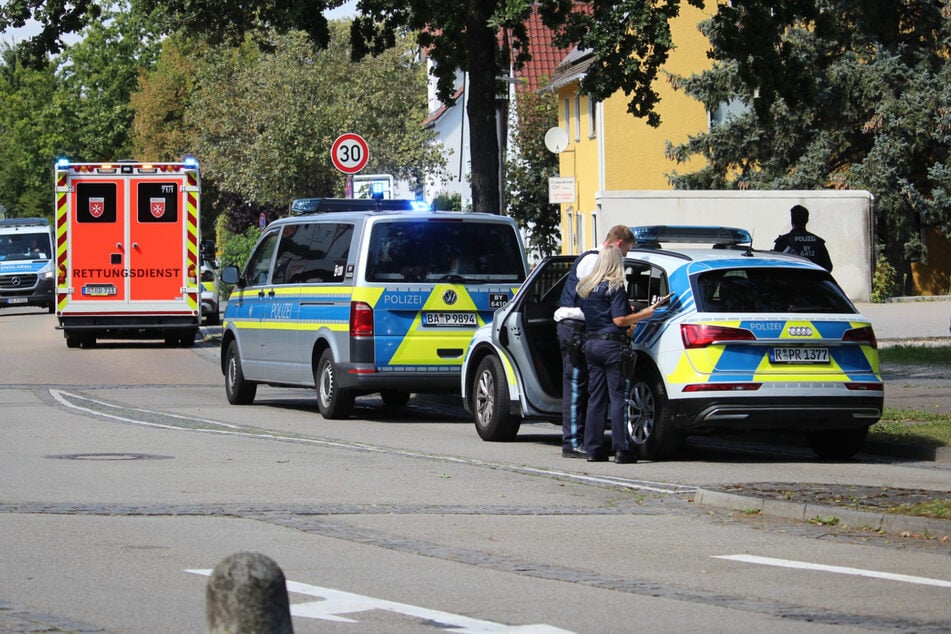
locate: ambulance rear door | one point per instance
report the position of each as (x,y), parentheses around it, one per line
(97,239)
(156,255)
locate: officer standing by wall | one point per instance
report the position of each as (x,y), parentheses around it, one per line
(608,315)
(570,328)
(801,242)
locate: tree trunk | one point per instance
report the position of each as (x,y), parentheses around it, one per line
(484,143)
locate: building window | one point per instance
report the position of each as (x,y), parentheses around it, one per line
(592,119)
(567,117)
(579,219)
(577,117)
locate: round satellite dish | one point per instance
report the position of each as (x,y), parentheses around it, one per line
(556,140)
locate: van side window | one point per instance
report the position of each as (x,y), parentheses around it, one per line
(313,253)
(260,261)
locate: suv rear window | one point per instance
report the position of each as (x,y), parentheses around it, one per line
(444,250)
(769,290)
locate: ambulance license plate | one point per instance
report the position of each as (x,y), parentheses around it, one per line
(18,300)
(799,355)
(99,290)
(450,319)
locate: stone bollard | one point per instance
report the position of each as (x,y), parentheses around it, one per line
(247,593)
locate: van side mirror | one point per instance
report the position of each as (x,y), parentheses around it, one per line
(229,275)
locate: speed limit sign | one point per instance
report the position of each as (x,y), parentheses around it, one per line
(350,153)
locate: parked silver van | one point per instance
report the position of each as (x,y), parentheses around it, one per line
(357,302)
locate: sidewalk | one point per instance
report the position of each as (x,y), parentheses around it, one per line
(911,318)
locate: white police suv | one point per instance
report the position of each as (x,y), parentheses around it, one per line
(751,340)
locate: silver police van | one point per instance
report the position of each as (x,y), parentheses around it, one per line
(358,302)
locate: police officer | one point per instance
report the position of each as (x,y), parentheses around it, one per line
(608,316)
(801,242)
(570,328)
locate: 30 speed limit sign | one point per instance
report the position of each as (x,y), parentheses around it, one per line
(350,153)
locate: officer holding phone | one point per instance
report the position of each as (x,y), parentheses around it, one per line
(607,316)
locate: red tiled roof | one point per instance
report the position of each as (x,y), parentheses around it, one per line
(545,56)
(435,116)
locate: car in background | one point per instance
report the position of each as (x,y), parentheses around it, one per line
(750,340)
(210,310)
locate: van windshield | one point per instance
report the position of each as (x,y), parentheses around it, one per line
(433,250)
(25,246)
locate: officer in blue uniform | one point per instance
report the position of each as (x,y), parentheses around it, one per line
(569,322)
(801,242)
(608,316)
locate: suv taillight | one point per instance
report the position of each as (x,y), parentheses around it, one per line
(701,335)
(861,335)
(361,319)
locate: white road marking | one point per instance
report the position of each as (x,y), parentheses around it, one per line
(334,603)
(66,399)
(842,570)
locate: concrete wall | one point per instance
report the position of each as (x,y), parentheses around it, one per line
(844,218)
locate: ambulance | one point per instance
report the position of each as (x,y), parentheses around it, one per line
(127,251)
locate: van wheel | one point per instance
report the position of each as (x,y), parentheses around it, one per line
(88,341)
(51,308)
(490,402)
(394,398)
(332,401)
(648,420)
(73,341)
(239,390)
(837,444)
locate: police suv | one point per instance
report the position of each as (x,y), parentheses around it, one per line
(750,340)
(357,302)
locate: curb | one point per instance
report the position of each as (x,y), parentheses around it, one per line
(844,517)
(912,452)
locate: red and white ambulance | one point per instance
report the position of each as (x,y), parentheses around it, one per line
(127,251)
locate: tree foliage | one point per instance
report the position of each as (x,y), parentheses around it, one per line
(849,95)
(630,39)
(527,172)
(28,131)
(75,105)
(266,120)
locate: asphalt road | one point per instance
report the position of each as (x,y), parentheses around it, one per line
(125,475)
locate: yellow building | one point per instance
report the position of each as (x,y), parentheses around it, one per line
(608,148)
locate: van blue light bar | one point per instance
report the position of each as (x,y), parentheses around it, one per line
(657,234)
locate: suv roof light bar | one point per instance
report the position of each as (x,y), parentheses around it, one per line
(657,234)
(301,206)
(24,222)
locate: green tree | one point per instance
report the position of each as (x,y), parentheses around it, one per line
(528,171)
(630,40)
(159,129)
(853,94)
(267,119)
(30,136)
(97,77)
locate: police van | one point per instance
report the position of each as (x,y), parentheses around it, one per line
(358,302)
(26,263)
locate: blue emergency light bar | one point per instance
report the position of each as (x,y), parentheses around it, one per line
(326,205)
(658,234)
